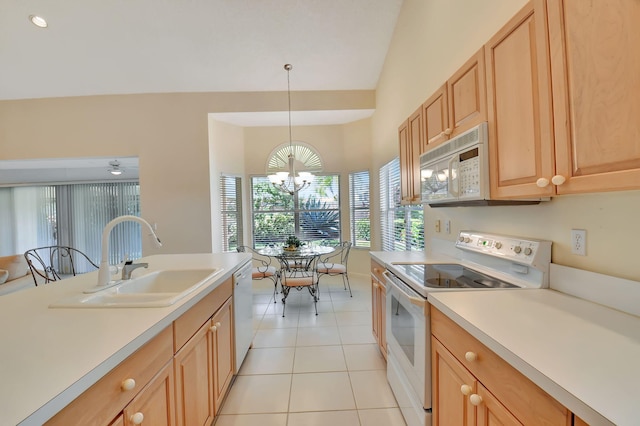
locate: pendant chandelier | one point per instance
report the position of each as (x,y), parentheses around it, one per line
(289,182)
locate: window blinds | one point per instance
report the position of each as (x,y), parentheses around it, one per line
(231,212)
(359,218)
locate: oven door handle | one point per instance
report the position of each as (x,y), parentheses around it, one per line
(452,192)
(418,301)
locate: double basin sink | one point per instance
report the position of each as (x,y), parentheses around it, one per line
(154,289)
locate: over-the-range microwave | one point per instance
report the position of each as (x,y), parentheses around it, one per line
(456,173)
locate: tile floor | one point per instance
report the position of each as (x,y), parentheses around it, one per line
(311,370)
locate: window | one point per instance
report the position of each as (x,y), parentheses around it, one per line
(312,214)
(231,211)
(72,215)
(359,209)
(402,226)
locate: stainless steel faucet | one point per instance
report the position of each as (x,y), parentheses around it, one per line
(129,267)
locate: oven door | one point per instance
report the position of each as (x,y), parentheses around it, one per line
(408,341)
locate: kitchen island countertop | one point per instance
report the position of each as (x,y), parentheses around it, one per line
(50,356)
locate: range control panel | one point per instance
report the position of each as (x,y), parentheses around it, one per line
(516,249)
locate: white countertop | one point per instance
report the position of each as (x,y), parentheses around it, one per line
(583,354)
(50,356)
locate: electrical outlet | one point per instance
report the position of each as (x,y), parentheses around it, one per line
(437,225)
(579,242)
(447,226)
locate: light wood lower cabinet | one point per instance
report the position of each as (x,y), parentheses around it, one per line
(378,307)
(180,377)
(154,405)
(472,385)
(223,356)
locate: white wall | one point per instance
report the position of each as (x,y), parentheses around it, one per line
(432,39)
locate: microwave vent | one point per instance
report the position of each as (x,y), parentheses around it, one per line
(471,137)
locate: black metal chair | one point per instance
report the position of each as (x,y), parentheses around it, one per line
(53,263)
(299,279)
(335,263)
(263,268)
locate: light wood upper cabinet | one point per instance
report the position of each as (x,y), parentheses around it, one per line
(466,94)
(457,106)
(410,139)
(435,113)
(595,65)
(519,106)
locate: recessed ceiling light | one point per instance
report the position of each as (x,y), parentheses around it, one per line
(38,21)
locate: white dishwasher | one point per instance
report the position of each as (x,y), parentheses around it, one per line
(242,312)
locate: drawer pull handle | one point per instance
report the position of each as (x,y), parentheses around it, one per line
(128,384)
(465,389)
(137,418)
(475,399)
(471,356)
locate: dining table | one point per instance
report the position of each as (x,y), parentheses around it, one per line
(301,258)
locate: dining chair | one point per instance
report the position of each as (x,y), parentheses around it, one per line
(335,263)
(53,263)
(263,268)
(299,279)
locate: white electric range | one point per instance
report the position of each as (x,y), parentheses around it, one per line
(481,262)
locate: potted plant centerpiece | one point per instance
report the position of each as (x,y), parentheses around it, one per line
(292,243)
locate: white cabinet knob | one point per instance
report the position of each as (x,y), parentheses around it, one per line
(475,399)
(470,356)
(217,324)
(128,384)
(558,180)
(137,418)
(465,389)
(375,284)
(213,328)
(448,131)
(542,182)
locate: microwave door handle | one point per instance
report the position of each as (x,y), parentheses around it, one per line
(454,193)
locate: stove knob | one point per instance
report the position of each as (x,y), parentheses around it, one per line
(517,249)
(498,245)
(467,239)
(528,251)
(461,239)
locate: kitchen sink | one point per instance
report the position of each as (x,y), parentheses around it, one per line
(155,289)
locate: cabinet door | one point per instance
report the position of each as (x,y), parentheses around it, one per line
(519,106)
(375,309)
(491,412)
(119,421)
(153,406)
(222,339)
(435,114)
(451,405)
(382,298)
(466,92)
(194,380)
(409,158)
(596,80)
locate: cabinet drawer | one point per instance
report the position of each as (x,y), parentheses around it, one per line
(377,270)
(104,400)
(191,321)
(522,397)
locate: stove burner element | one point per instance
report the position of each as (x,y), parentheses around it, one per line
(451,276)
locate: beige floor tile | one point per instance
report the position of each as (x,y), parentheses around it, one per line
(322,305)
(381,417)
(364,357)
(315,359)
(310,319)
(278,321)
(351,305)
(371,389)
(252,420)
(258,394)
(268,361)
(353,318)
(262,298)
(275,338)
(317,336)
(356,334)
(324,418)
(321,392)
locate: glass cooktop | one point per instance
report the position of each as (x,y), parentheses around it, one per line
(451,276)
